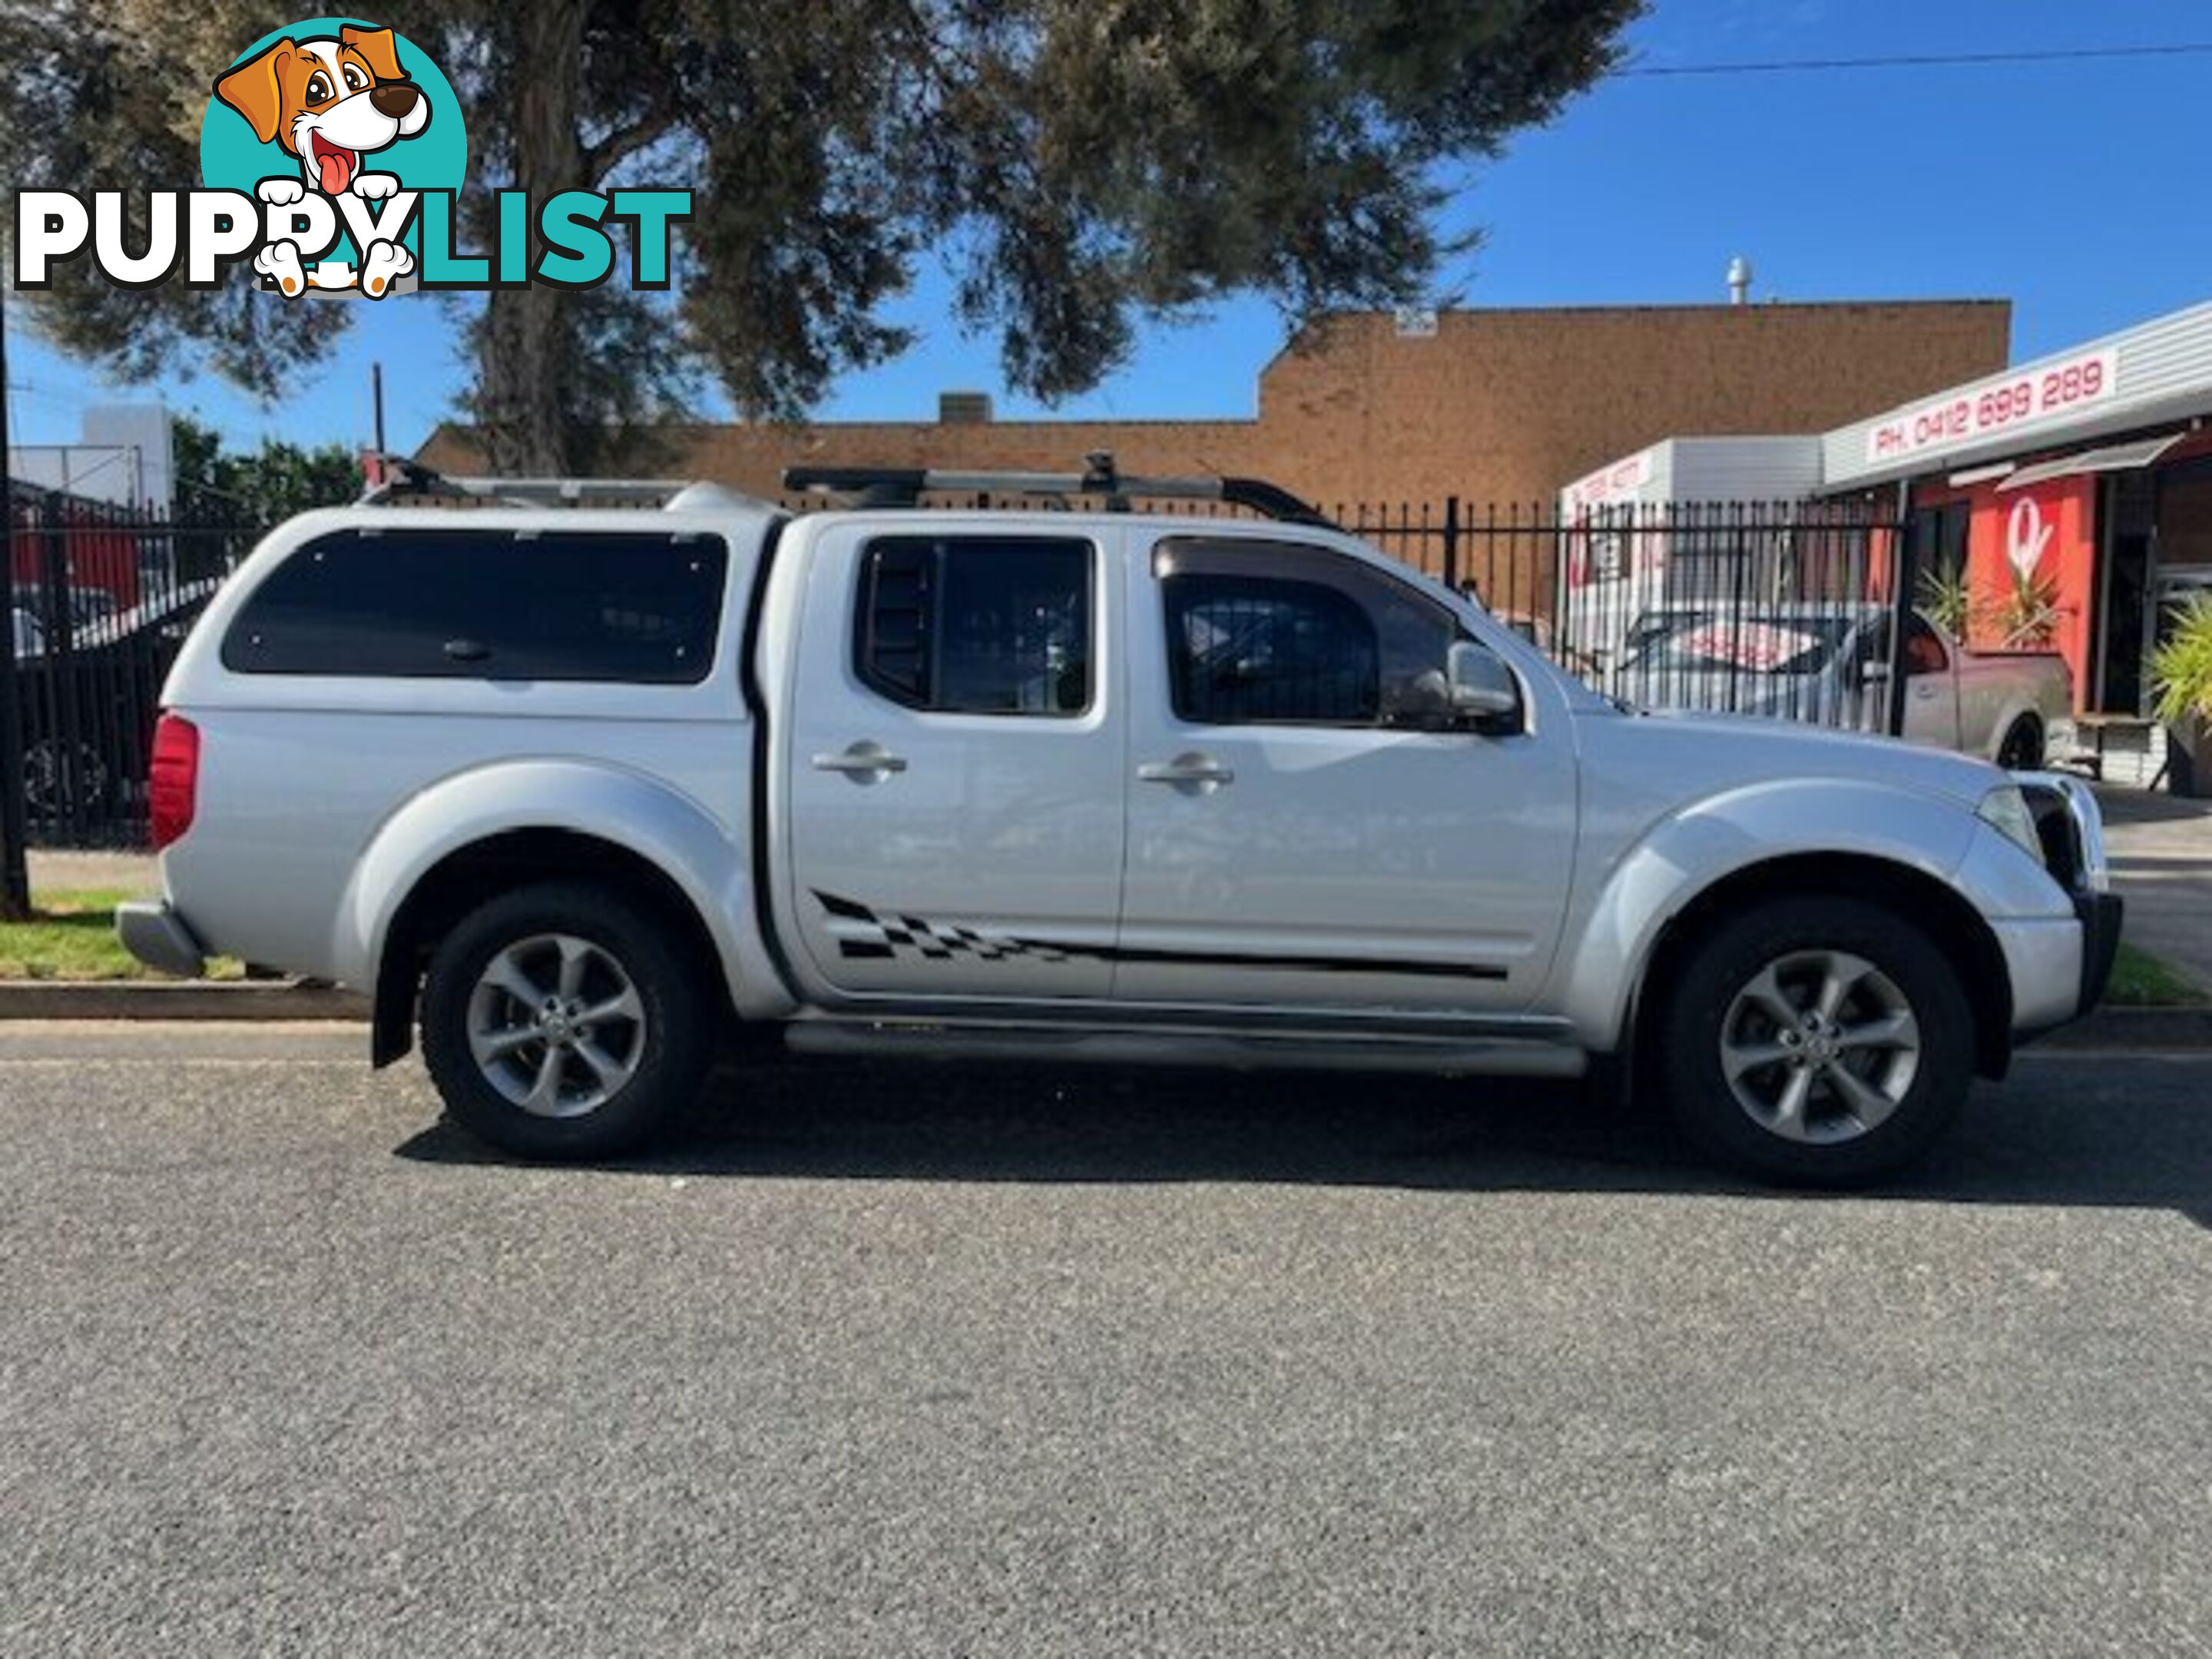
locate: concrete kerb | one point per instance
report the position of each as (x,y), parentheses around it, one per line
(183,1000)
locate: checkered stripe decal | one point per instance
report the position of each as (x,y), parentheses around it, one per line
(861,934)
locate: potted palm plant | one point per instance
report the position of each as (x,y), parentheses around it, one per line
(2181,669)
(1947,598)
(2027,616)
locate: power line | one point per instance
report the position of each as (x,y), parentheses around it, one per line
(1930,60)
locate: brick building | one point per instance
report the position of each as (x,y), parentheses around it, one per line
(1494,407)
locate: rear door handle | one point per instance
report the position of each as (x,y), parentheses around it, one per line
(867,761)
(1193,767)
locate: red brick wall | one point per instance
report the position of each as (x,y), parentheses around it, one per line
(1498,406)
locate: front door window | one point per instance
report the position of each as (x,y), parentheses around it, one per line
(1302,640)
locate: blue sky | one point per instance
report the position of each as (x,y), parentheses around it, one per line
(2077,190)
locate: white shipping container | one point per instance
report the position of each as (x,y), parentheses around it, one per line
(1613,576)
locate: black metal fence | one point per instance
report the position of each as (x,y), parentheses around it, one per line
(102,597)
(1786,608)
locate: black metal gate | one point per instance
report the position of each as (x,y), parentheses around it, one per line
(102,599)
(1786,609)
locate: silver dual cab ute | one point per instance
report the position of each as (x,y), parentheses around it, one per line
(1833,663)
(575,790)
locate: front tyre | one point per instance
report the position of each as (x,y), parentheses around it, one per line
(1819,1042)
(558,1022)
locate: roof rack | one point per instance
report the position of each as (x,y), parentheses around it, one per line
(397,477)
(894,486)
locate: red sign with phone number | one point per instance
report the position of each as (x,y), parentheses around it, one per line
(1998,407)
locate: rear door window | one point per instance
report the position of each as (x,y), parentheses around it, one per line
(502,604)
(977,624)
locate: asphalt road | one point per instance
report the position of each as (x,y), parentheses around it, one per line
(967,1361)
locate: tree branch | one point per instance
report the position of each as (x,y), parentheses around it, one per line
(601,158)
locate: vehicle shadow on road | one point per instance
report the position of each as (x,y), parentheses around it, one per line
(2072,1133)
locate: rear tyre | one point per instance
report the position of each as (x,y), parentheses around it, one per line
(2022,748)
(560,1022)
(1815,1041)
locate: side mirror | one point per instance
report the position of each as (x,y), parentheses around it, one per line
(1481,684)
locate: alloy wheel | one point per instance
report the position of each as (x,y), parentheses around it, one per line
(1820,1047)
(555,1025)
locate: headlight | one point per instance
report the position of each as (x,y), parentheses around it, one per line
(2005,810)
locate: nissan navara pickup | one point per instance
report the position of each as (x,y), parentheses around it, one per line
(576,789)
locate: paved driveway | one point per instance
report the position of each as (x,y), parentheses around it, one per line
(977,1361)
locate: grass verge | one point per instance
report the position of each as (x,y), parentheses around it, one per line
(71,935)
(2140,980)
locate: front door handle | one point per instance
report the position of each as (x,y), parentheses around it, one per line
(1191,768)
(865,762)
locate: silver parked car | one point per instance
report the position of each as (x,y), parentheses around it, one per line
(1832,664)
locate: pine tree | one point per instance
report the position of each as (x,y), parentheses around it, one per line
(1079,165)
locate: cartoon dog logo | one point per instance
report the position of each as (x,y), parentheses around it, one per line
(329,101)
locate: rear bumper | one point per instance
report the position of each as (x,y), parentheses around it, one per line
(154,933)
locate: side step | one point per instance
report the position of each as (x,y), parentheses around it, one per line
(1470,1056)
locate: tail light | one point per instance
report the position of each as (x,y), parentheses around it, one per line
(173,788)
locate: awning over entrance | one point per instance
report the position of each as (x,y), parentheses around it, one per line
(2113,458)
